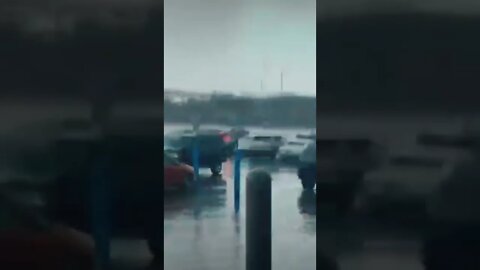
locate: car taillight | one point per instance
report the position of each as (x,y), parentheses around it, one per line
(227,139)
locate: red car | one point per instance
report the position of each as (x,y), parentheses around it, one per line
(176,174)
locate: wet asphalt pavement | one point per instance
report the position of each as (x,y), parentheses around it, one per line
(207,234)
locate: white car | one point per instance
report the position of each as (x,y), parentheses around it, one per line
(291,151)
(261,145)
(311,136)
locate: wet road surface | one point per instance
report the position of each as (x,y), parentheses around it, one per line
(202,232)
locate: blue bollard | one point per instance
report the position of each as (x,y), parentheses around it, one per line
(100,212)
(236,179)
(196,162)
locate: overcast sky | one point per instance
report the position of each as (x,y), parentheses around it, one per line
(232,45)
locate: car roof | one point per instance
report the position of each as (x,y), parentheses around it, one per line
(265,135)
(298,142)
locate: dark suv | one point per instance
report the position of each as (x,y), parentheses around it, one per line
(214,147)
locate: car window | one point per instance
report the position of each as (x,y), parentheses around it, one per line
(262,138)
(210,140)
(186,141)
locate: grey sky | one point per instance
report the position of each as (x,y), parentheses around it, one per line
(231,45)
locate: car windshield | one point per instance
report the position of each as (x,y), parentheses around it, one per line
(262,138)
(268,138)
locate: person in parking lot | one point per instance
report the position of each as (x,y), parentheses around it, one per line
(454,238)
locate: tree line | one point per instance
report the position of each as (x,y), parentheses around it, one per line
(273,111)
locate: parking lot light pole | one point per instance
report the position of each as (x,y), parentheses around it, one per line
(259,221)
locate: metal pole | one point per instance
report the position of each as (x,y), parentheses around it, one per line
(281,82)
(101,212)
(259,221)
(238,159)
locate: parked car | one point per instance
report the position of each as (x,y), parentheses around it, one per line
(214,147)
(261,145)
(340,165)
(176,174)
(311,136)
(291,151)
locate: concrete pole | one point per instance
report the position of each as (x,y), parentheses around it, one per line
(259,221)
